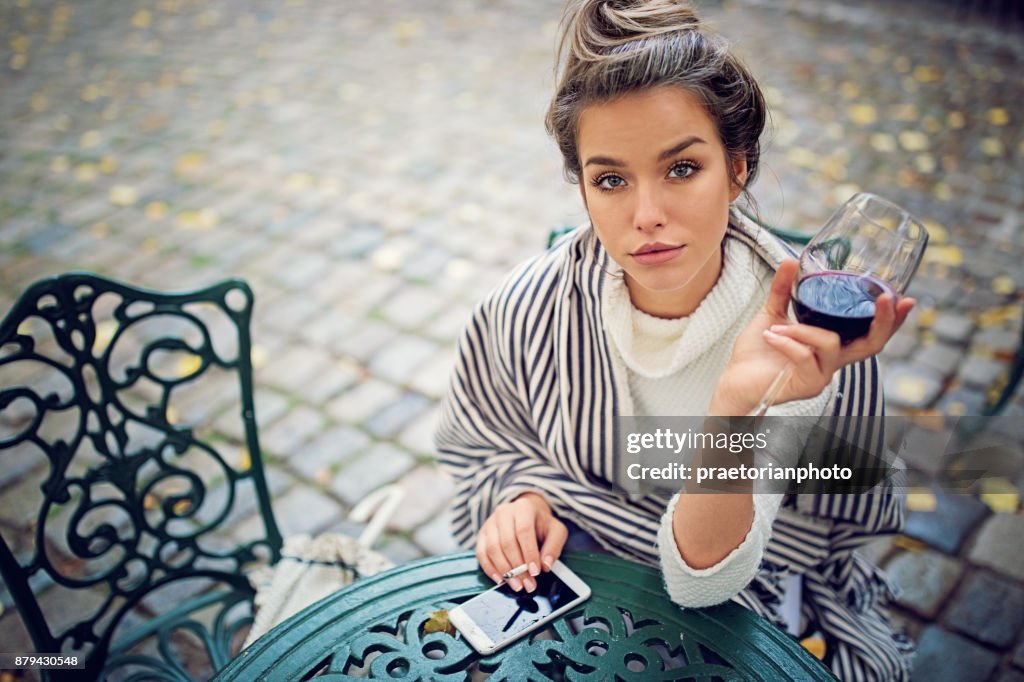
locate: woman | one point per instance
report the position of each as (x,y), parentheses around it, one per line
(667,303)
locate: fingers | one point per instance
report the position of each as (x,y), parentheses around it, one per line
(554,541)
(824,345)
(884,324)
(889,317)
(903,308)
(509,544)
(797,353)
(508,539)
(490,561)
(527,537)
(777,303)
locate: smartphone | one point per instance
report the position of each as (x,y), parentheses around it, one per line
(496,618)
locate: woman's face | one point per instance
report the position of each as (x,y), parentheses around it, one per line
(656,184)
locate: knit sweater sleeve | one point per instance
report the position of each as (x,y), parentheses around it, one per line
(695,588)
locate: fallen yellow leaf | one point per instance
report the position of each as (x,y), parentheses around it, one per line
(863,114)
(39,102)
(244,459)
(942,191)
(60,164)
(91,93)
(86,172)
(913,140)
(259,356)
(104,334)
(998,116)
(921,500)
(849,89)
(1000,494)
(926,74)
(815,645)
(883,142)
(188,163)
(908,543)
(937,234)
(946,255)
(800,156)
(438,621)
(1004,285)
(89,139)
(142,19)
(108,164)
(123,195)
(910,389)
(406,31)
(926,317)
(992,146)
(156,210)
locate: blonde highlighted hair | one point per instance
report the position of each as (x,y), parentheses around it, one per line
(610,48)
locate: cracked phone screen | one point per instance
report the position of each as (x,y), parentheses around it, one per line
(502,613)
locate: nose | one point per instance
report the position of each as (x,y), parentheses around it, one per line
(649,214)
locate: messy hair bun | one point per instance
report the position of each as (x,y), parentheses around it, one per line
(609,48)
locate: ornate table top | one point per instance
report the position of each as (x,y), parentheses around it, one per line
(629,630)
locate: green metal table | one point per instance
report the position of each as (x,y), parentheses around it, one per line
(628,630)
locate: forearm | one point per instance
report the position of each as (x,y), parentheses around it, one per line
(707,525)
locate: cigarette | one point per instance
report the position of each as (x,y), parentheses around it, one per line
(516,571)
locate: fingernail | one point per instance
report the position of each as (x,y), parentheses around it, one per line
(769,334)
(496,577)
(548,561)
(530,584)
(515,584)
(778,328)
(534,568)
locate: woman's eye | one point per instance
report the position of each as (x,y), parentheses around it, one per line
(682,170)
(610,182)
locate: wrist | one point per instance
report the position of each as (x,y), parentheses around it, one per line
(725,405)
(539,502)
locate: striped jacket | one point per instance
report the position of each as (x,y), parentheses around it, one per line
(531,406)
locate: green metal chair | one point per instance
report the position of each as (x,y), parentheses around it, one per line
(104,393)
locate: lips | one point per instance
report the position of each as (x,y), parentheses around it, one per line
(656,253)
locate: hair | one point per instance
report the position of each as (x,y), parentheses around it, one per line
(611,48)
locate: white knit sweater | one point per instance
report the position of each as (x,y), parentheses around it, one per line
(673,367)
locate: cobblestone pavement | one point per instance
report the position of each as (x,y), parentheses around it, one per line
(371,169)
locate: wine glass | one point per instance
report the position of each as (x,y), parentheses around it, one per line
(869,247)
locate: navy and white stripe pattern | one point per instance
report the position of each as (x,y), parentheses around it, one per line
(532,407)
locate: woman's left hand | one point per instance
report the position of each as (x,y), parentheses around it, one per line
(771,340)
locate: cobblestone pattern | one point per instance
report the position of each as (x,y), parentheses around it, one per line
(372,170)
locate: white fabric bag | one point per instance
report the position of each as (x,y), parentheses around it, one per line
(312,568)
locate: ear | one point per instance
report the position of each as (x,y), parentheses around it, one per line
(739,169)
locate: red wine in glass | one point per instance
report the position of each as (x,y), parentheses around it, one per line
(842,302)
(869,247)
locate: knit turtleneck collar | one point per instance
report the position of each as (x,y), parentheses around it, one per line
(631,332)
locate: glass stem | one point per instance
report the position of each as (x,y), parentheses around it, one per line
(773,390)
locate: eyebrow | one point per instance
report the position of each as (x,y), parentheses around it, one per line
(668,153)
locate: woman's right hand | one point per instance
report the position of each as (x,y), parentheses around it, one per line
(509,538)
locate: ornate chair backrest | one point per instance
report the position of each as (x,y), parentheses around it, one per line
(107,398)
